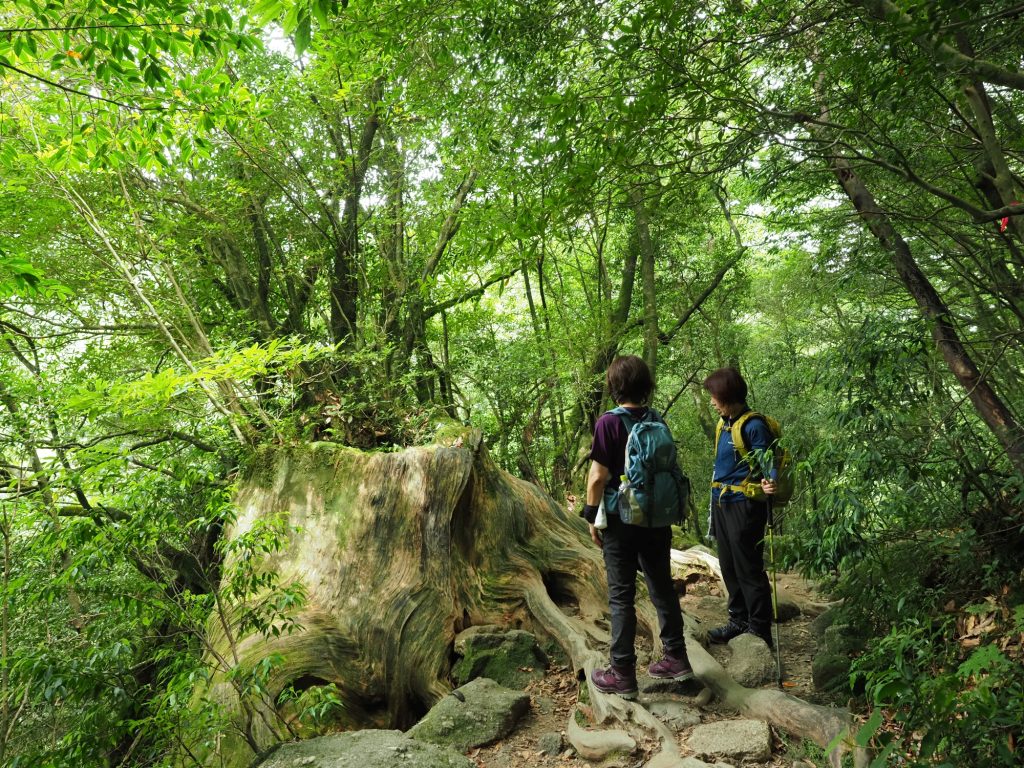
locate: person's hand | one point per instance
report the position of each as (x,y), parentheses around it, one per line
(769,486)
(595,535)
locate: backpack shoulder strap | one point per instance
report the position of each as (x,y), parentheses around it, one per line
(737,431)
(718,437)
(628,419)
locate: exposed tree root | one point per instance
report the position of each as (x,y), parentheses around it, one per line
(698,558)
(606,708)
(828,727)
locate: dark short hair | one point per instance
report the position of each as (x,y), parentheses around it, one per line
(629,380)
(727,386)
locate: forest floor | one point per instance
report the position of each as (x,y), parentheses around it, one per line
(554,696)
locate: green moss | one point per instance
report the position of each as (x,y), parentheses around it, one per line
(447,432)
(583,697)
(511,659)
(555,653)
(683,539)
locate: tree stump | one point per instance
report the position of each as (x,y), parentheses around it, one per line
(397,553)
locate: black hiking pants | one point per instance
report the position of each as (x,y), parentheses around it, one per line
(625,547)
(739,529)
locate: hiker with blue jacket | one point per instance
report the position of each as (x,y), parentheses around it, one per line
(739,511)
(628,547)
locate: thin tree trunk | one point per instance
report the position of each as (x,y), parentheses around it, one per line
(542,333)
(264,264)
(940,50)
(988,404)
(719,276)
(1003,177)
(345,271)
(647,257)
(23,426)
(994,170)
(393,248)
(590,402)
(415,328)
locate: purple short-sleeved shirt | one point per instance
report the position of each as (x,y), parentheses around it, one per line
(609,446)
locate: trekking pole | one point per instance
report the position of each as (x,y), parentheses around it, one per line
(775,597)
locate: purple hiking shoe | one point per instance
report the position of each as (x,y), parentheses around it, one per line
(671,668)
(620,680)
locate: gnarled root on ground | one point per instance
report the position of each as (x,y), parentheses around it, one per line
(701,560)
(828,727)
(608,709)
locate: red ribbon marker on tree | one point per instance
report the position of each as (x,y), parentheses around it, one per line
(1005,221)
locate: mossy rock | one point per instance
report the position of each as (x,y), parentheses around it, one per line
(511,658)
(842,638)
(367,749)
(831,672)
(472,716)
(823,622)
(831,666)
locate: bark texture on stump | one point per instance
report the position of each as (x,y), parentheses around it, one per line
(397,553)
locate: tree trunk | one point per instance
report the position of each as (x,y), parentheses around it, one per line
(414,332)
(988,404)
(397,553)
(345,268)
(647,258)
(589,403)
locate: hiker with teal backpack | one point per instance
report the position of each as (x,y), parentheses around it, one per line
(635,492)
(751,472)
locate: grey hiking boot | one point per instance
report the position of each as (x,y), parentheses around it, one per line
(671,668)
(727,632)
(620,680)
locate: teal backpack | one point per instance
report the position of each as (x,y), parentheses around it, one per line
(654,492)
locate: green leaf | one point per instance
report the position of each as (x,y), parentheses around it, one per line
(867,731)
(266,10)
(291,19)
(982,660)
(302,33)
(321,11)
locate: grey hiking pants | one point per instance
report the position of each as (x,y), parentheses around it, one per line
(626,547)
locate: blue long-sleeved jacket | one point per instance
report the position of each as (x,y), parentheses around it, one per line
(730,468)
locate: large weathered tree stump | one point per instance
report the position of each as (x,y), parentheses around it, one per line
(397,553)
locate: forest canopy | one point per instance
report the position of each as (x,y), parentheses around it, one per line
(226,228)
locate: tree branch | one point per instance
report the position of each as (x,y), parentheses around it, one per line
(943,52)
(75,91)
(435,309)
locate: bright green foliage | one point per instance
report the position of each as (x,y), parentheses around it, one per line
(231,226)
(944,690)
